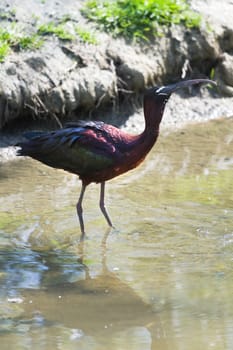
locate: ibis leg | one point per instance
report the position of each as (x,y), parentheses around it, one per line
(80,210)
(102,205)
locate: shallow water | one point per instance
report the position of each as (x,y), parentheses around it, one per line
(161,279)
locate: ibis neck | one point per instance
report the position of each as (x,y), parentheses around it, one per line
(153,112)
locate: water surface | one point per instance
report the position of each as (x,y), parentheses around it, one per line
(161,279)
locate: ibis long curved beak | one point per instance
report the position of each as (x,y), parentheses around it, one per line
(169,89)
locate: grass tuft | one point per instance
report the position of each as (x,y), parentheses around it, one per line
(55,29)
(4,50)
(86,36)
(11,40)
(139,18)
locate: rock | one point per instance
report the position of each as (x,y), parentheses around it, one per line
(226,40)
(135,70)
(198,47)
(83,88)
(224,74)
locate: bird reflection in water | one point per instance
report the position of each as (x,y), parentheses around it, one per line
(100,306)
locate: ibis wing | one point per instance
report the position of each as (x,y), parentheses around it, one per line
(90,124)
(80,150)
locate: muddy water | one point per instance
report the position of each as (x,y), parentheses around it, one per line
(161,279)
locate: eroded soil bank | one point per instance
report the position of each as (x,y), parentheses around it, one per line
(68,80)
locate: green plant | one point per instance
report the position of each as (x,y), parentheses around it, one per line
(4,50)
(86,36)
(4,44)
(139,18)
(5,36)
(212,73)
(11,40)
(30,42)
(56,29)
(65,18)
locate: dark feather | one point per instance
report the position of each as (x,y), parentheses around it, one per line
(31,134)
(93,124)
(77,149)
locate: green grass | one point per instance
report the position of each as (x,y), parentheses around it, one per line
(4,50)
(86,36)
(135,19)
(139,18)
(65,18)
(10,40)
(55,29)
(30,42)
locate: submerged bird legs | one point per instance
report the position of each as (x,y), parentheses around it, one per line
(101,204)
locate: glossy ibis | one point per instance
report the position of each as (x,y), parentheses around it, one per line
(98,152)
